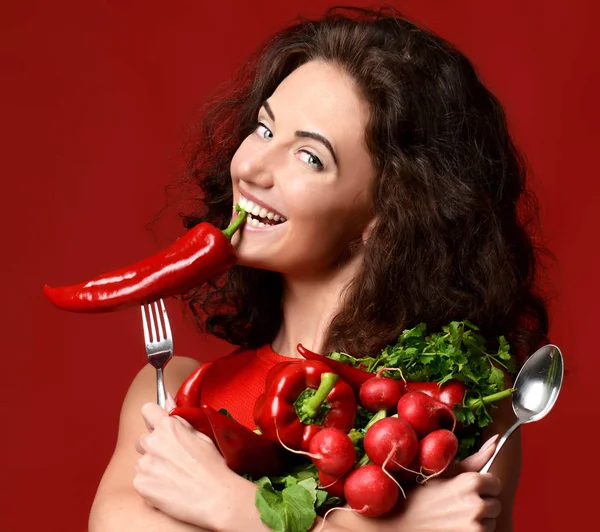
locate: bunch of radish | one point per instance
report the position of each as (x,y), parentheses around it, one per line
(416,437)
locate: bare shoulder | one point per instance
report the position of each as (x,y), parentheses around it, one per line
(116,499)
(143,387)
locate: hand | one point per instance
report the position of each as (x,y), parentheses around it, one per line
(467,501)
(182,473)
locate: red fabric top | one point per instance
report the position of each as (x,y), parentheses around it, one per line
(235,381)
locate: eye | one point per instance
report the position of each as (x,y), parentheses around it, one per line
(263,131)
(311,159)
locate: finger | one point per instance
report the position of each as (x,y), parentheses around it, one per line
(474,462)
(170,403)
(489,485)
(152,414)
(139,445)
(184,422)
(492,508)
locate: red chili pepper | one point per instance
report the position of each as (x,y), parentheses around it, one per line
(245,452)
(200,254)
(353,376)
(301,398)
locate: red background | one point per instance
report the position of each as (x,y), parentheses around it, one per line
(96,99)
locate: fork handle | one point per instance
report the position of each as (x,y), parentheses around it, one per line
(161,395)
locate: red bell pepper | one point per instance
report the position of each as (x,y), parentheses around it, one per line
(302,397)
(353,376)
(243,450)
(188,402)
(200,254)
(189,392)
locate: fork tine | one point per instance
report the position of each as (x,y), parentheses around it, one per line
(166,319)
(152,327)
(145,325)
(158,322)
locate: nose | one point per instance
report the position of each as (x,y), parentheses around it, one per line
(257,167)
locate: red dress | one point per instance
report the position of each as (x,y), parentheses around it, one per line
(235,381)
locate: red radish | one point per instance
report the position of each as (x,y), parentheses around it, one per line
(436,451)
(425,414)
(449,393)
(333,485)
(370,492)
(394,438)
(381,393)
(332,451)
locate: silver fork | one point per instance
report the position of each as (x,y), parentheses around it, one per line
(159,343)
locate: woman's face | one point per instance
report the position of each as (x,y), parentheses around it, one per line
(305,174)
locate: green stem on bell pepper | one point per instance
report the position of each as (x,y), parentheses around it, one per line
(311,407)
(300,398)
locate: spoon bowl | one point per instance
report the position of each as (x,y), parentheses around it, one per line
(536,388)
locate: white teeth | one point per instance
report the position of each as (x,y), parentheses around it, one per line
(260,224)
(256,210)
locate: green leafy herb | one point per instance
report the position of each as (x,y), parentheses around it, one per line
(305,418)
(458,352)
(289,503)
(288,510)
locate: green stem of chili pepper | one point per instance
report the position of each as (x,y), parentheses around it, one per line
(312,406)
(235,225)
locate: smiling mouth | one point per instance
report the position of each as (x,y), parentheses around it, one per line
(259,216)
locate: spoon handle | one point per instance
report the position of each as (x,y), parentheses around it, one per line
(499,445)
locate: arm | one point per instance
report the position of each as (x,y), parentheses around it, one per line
(117,505)
(507,465)
(179,481)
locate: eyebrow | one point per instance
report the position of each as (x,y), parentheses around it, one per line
(305,134)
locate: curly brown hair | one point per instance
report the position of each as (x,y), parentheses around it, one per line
(451,239)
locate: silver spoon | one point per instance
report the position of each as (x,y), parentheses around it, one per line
(536,389)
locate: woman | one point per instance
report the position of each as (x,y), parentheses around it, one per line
(383,187)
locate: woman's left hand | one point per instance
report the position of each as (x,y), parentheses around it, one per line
(182,473)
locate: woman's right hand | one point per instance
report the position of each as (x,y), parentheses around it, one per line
(464,500)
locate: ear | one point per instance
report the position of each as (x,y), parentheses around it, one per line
(368,229)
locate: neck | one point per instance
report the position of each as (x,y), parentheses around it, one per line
(309,305)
